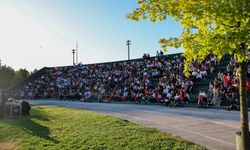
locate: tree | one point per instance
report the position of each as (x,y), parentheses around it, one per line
(20,75)
(33,72)
(6,76)
(209,26)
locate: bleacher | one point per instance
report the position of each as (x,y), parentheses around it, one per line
(204,84)
(198,85)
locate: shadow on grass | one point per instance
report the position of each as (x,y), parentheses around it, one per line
(34,128)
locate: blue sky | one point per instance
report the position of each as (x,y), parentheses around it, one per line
(38,33)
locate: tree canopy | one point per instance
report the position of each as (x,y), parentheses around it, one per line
(9,76)
(6,76)
(209,26)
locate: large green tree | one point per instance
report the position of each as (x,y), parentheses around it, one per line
(6,76)
(20,75)
(209,26)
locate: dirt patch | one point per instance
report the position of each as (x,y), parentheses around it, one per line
(10,145)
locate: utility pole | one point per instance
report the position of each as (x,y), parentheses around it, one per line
(76,52)
(73,52)
(0,63)
(128,43)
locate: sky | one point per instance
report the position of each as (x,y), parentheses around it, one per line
(39,33)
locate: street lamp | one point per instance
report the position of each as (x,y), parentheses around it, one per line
(73,52)
(76,52)
(128,43)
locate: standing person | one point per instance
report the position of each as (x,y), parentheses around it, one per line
(215,99)
(101,93)
(182,96)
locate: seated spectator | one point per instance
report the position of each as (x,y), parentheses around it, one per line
(248,70)
(202,98)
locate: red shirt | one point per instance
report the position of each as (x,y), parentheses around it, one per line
(225,79)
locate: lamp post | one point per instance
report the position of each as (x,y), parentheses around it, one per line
(128,43)
(76,52)
(73,52)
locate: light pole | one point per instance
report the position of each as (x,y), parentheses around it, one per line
(128,43)
(76,52)
(73,52)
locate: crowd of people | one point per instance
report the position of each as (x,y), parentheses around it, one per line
(224,90)
(201,70)
(157,79)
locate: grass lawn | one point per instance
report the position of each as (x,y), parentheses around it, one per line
(63,128)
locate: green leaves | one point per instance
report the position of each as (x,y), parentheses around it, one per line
(217,26)
(9,76)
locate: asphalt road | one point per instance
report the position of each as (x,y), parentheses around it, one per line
(212,128)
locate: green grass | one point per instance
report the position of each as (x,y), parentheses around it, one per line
(62,128)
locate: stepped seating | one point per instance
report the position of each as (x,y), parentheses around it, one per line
(25,81)
(204,84)
(199,85)
(42,71)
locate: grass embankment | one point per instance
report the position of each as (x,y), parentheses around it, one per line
(62,128)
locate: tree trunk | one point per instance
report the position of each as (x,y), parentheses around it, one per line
(243,108)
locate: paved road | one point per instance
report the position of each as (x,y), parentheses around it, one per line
(212,128)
